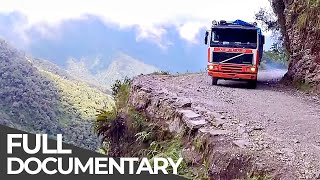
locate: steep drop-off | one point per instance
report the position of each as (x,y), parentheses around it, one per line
(300,25)
(36,100)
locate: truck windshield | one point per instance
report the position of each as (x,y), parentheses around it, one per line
(228,37)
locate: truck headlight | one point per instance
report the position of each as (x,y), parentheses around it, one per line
(213,67)
(252,69)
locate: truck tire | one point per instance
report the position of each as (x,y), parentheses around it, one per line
(253,84)
(214,81)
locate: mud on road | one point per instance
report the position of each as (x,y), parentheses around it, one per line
(280,123)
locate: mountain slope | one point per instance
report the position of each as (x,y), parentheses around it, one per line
(39,101)
(101,75)
(125,66)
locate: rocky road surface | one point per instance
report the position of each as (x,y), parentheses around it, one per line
(281,123)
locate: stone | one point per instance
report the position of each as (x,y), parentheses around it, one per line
(219,132)
(147,90)
(214,132)
(163,91)
(189,114)
(242,143)
(175,126)
(296,141)
(196,124)
(190,156)
(184,103)
(258,128)
(219,122)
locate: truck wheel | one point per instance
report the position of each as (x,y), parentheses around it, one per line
(253,84)
(214,81)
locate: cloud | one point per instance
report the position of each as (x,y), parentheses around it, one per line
(189,30)
(151,17)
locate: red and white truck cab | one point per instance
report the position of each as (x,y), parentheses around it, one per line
(234,51)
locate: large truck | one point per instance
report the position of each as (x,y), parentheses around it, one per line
(234,51)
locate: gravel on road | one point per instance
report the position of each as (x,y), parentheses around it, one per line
(276,120)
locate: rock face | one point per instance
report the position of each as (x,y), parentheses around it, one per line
(300,25)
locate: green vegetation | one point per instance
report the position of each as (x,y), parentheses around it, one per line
(169,149)
(120,92)
(161,73)
(84,99)
(198,143)
(260,177)
(303,86)
(128,132)
(39,101)
(110,123)
(309,14)
(276,54)
(302,21)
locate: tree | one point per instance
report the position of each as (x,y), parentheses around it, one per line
(269,22)
(267,19)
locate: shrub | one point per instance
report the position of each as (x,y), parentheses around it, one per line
(161,73)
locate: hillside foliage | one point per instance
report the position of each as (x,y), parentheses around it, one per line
(39,101)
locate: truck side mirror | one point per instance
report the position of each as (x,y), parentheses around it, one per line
(206,38)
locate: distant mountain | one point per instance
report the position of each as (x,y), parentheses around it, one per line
(39,97)
(121,66)
(124,66)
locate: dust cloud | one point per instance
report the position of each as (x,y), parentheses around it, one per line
(272,72)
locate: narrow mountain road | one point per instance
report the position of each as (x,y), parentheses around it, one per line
(279,122)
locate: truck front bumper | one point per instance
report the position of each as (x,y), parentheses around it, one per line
(233,76)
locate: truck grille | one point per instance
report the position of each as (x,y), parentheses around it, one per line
(230,68)
(222,56)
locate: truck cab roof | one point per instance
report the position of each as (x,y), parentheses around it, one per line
(233,27)
(237,24)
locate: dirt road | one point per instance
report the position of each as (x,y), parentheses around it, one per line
(280,122)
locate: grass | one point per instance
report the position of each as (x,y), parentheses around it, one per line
(302,86)
(161,73)
(120,92)
(260,177)
(138,120)
(170,149)
(198,143)
(143,136)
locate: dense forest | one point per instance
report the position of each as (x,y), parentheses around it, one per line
(39,99)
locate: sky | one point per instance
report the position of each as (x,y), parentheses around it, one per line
(149,18)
